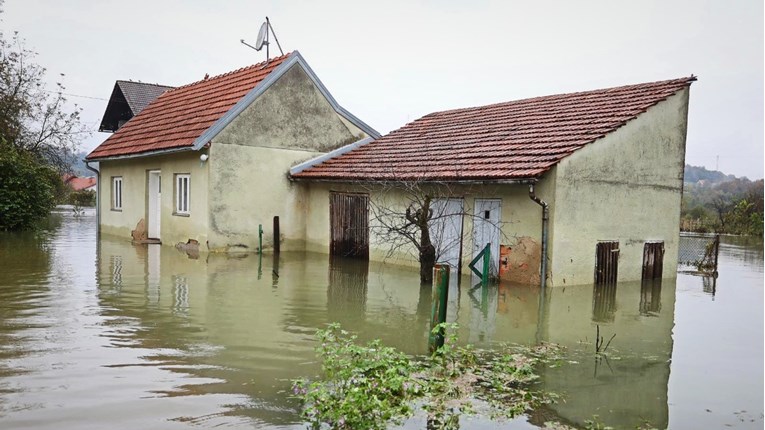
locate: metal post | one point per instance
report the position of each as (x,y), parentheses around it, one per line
(486,264)
(260,238)
(438,306)
(277,235)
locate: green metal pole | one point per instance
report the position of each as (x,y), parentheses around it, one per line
(486,264)
(438,308)
(260,238)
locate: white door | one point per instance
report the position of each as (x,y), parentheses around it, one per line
(446,231)
(155,199)
(486,230)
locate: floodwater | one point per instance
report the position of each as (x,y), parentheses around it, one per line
(104,334)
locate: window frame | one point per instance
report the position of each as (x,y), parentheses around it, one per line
(182,194)
(117,193)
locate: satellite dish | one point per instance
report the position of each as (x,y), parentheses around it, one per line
(262,37)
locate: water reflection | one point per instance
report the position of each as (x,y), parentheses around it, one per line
(159,337)
(650,297)
(628,385)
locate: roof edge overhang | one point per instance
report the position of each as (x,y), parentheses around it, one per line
(294,170)
(518,181)
(141,154)
(263,86)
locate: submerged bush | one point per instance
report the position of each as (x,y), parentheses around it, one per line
(370,386)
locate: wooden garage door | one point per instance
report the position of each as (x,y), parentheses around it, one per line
(349,224)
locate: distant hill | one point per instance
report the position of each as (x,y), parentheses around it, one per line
(78,165)
(694,174)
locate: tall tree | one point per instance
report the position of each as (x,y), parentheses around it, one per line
(33,118)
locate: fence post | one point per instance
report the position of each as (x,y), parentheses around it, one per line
(440,296)
(486,265)
(277,236)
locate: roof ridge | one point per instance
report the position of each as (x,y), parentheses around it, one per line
(239,70)
(684,80)
(144,83)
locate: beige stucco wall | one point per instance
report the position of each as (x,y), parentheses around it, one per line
(134,173)
(521,221)
(291,122)
(626,187)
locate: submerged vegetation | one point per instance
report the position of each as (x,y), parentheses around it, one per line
(371,386)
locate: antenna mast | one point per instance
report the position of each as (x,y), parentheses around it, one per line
(263,39)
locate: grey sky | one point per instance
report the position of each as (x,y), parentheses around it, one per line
(391,62)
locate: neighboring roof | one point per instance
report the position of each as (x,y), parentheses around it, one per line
(188,117)
(506,141)
(140,94)
(128,99)
(77,183)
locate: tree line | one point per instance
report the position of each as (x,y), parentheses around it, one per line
(715,202)
(39,134)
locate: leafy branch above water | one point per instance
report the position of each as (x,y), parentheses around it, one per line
(371,386)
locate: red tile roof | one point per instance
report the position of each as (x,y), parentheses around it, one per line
(77,183)
(513,140)
(176,118)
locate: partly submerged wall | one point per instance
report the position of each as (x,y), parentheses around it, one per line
(625,187)
(134,172)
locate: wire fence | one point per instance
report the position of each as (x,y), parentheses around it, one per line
(699,252)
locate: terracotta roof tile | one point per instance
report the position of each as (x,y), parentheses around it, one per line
(179,116)
(512,140)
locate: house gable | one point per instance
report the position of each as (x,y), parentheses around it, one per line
(291,113)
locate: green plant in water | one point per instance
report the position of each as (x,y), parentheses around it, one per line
(370,386)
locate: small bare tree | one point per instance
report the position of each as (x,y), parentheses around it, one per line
(407,214)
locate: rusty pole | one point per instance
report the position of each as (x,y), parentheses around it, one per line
(438,306)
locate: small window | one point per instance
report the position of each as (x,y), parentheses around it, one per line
(486,214)
(117,193)
(182,183)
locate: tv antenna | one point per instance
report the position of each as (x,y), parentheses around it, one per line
(263,39)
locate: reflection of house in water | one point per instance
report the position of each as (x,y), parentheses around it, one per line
(631,387)
(229,333)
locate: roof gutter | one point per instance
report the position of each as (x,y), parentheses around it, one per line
(98,196)
(545,222)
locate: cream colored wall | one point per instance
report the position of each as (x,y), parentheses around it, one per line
(290,123)
(521,220)
(134,173)
(626,187)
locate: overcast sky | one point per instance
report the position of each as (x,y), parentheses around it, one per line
(391,62)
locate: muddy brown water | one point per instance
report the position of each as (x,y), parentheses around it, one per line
(104,334)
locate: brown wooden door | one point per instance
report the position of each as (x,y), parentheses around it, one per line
(606,262)
(653,260)
(349,224)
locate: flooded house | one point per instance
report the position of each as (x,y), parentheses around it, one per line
(561,189)
(206,163)
(569,188)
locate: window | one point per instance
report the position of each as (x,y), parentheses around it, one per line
(182,183)
(117,193)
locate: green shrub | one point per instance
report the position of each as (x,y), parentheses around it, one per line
(27,189)
(370,386)
(82,198)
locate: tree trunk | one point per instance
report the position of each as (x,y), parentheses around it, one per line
(427,261)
